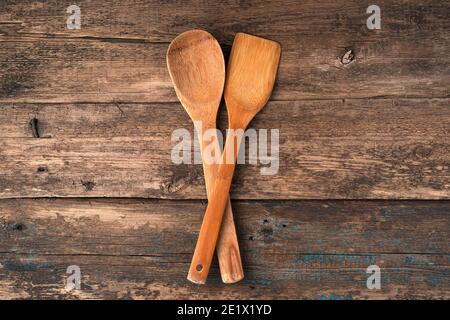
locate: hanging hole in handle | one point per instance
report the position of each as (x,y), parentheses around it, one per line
(199,267)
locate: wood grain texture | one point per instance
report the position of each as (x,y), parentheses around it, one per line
(118,55)
(161,21)
(328,149)
(292,249)
(362,115)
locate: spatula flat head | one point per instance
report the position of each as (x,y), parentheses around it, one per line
(197,68)
(251,72)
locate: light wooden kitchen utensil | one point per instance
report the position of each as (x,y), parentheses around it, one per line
(197,68)
(249,82)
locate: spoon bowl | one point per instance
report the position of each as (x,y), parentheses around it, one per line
(197,69)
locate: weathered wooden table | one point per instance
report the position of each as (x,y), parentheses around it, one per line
(86,178)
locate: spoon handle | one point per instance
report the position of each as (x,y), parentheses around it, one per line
(212,220)
(227,244)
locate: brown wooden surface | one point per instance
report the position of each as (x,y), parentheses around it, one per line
(89,113)
(126,42)
(291,249)
(357,149)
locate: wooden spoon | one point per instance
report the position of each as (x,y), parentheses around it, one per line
(197,68)
(250,78)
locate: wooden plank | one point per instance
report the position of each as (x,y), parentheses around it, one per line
(119,277)
(355,149)
(161,21)
(151,227)
(119,54)
(295,249)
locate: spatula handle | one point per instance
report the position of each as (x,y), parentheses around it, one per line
(227,244)
(209,231)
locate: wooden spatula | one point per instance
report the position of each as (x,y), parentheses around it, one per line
(197,68)
(250,78)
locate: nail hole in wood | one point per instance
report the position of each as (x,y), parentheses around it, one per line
(18,227)
(199,267)
(88,185)
(348,57)
(42,169)
(34,125)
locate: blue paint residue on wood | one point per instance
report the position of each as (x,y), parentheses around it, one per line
(362,260)
(417,261)
(441,279)
(333,296)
